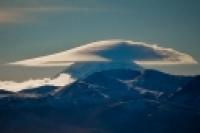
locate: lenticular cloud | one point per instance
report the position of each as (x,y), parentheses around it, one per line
(112,50)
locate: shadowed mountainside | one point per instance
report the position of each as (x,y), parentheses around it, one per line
(111,101)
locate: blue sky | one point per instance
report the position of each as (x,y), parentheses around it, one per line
(33,28)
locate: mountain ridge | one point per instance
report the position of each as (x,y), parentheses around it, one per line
(109,101)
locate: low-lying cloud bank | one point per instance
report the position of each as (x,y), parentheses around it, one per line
(61,80)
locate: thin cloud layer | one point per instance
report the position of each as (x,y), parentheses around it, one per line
(29,14)
(61,80)
(112,50)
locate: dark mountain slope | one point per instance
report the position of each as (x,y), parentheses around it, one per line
(112,101)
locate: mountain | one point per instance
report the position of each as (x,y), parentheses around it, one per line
(42,90)
(5,93)
(81,70)
(110,101)
(2,92)
(125,83)
(189,94)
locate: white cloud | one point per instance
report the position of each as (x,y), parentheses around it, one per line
(61,80)
(112,50)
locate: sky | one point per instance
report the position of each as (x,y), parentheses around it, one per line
(30,29)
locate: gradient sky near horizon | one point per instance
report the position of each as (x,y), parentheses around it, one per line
(32,28)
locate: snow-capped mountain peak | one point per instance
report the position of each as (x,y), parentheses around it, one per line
(83,69)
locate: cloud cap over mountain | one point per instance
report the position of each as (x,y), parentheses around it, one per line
(112,50)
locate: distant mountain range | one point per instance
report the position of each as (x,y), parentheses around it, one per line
(108,101)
